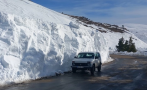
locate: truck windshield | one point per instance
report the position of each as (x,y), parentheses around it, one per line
(85,55)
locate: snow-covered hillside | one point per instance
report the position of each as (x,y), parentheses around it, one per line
(114,37)
(38,42)
(138,30)
(114,32)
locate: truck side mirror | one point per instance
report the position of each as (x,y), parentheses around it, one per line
(75,57)
(96,57)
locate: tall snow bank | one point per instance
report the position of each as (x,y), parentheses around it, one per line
(33,48)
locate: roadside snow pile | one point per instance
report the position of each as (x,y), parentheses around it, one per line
(138,53)
(40,42)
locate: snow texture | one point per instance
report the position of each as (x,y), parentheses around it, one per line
(139,30)
(138,34)
(37,42)
(138,53)
(113,39)
(74,25)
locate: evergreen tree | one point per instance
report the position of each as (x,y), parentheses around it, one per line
(130,41)
(132,47)
(120,46)
(129,46)
(126,46)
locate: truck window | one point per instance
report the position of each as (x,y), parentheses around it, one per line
(85,55)
(97,55)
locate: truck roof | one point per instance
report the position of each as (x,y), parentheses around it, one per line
(88,52)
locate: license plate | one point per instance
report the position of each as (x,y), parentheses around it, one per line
(80,67)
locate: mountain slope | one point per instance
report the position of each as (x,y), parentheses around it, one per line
(37,42)
(114,32)
(138,30)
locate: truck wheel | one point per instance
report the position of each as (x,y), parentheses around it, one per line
(92,70)
(73,70)
(99,68)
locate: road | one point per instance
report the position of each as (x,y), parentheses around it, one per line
(124,73)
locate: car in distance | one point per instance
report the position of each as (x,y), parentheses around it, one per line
(87,61)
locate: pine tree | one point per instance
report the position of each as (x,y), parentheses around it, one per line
(126,46)
(133,48)
(130,41)
(129,46)
(120,46)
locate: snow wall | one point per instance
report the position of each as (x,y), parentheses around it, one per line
(31,48)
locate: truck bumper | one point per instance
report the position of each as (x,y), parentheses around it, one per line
(81,67)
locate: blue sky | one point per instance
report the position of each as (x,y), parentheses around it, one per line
(105,11)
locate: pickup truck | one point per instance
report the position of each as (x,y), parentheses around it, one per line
(87,61)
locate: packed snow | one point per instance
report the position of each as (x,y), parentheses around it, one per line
(37,42)
(138,53)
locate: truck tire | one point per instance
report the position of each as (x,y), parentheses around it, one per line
(94,67)
(99,68)
(92,70)
(73,70)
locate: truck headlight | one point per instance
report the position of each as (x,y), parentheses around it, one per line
(73,63)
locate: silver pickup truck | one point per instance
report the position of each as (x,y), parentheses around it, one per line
(87,61)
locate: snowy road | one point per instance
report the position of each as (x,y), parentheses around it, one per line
(124,73)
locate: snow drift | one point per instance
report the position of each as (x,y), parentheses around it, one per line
(37,42)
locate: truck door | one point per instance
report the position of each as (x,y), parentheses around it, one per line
(96,60)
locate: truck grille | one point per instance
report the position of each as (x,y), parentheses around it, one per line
(81,64)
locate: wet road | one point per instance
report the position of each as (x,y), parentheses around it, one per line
(124,73)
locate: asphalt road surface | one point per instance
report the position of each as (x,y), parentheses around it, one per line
(124,73)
